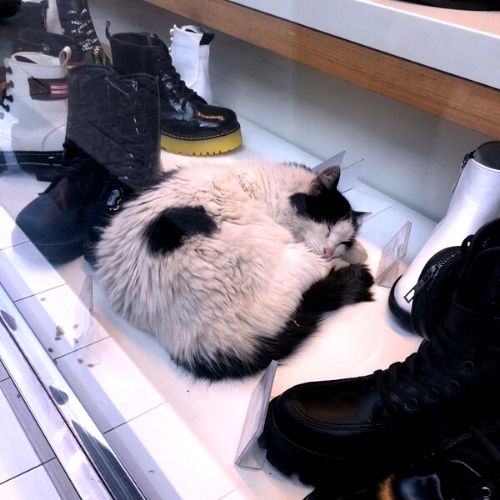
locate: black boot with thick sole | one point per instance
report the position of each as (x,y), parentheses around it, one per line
(365,426)
(189,125)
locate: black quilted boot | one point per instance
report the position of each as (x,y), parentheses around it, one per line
(112,143)
(365,426)
(188,124)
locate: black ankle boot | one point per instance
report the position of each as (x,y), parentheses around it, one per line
(188,124)
(441,276)
(112,142)
(369,424)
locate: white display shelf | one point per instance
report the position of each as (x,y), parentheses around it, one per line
(176,435)
(459,42)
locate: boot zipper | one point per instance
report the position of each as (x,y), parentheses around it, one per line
(428,278)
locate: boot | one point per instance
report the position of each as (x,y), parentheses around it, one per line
(112,141)
(190,52)
(475,201)
(188,124)
(29,40)
(464,467)
(72,18)
(371,424)
(33,114)
(442,274)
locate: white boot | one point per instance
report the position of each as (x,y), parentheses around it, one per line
(33,113)
(475,201)
(190,51)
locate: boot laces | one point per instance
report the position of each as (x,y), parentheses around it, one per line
(473,470)
(429,372)
(6,97)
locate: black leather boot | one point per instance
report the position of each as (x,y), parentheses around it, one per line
(463,467)
(112,143)
(72,18)
(188,124)
(369,424)
(441,276)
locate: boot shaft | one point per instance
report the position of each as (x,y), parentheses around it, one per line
(119,125)
(477,190)
(33,75)
(72,18)
(190,52)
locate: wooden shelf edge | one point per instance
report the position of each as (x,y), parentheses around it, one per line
(461,101)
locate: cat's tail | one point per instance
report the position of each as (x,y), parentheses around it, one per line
(348,285)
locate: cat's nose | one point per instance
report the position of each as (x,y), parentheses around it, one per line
(329,251)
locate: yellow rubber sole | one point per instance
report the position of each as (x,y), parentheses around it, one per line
(202,147)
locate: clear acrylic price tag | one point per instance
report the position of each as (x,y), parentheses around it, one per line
(392,255)
(250,455)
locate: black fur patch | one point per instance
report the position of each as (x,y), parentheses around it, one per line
(170,229)
(329,206)
(348,285)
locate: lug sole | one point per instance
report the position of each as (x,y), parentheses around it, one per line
(202,147)
(311,468)
(45,165)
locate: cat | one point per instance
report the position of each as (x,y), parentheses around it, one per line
(232,265)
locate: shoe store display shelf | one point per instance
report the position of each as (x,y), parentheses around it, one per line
(178,436)
(441,61)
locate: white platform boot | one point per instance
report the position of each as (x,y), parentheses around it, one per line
(33,113)
(190,52)
(475,201)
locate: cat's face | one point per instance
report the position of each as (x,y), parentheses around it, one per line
(329,240)
(325,223)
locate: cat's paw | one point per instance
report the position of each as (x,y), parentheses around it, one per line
(356,254)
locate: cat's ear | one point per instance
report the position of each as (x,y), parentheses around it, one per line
(359,217)
(327,179)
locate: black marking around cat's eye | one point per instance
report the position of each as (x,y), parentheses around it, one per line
(173,226)
(347,285)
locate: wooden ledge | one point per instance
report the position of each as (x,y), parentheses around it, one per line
(467,103)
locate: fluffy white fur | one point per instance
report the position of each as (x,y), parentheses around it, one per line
(219,293)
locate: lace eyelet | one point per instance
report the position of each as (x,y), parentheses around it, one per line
(412,404)
(454,385)
(469,366)
(433,394)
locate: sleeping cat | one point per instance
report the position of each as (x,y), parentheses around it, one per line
(232,265)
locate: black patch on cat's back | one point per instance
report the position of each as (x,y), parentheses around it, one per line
(173,226)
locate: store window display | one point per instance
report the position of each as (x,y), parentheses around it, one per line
(114,110)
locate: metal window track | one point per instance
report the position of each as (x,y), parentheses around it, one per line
(86,457)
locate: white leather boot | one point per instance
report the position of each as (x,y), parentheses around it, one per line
(475,201)
(190,52)
(33,113)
